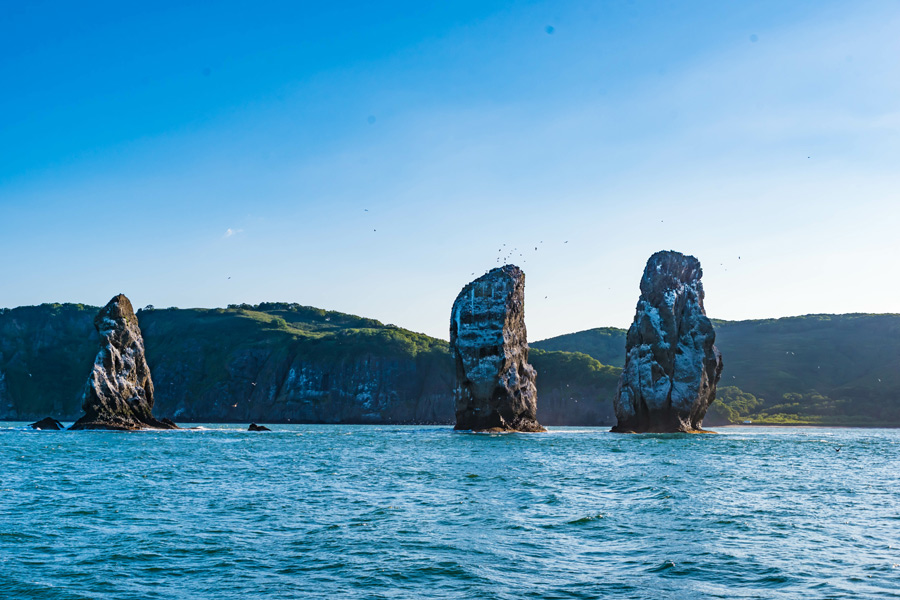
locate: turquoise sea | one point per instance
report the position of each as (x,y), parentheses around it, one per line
(312,511)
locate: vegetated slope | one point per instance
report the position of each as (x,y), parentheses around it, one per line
(574,388)
(272,362)
(286,362)
(828,369)
(823,368)
(604,344)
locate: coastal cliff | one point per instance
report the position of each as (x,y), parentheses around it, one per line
(814,369)
(272,362)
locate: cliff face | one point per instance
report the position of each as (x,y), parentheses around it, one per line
(274,362)
(295,364)
(7,406)
(45,352)
(671,363)
(119,391)
(495,386)
(281,384)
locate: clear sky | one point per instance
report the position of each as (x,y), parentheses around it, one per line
(371,157)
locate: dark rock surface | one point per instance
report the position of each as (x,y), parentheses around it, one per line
(671,363)
(7,406)
(255,427)
(47,424)
(495,386)
(119,392)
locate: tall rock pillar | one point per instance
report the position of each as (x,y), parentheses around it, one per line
(672,365)
(119,391)
(495,386)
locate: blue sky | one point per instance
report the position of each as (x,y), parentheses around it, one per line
(370,159)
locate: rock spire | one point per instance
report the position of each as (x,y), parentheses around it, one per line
(119,392)
(495,386)
(671,363)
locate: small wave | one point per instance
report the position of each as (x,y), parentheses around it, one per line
(666,566)
(770,581)
(585,520)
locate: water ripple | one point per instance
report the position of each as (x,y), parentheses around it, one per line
(412,512)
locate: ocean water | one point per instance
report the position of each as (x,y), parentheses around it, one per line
(311,511)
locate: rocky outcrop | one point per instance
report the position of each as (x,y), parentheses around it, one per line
(255,427)
(495,386)
(119,392)
(47,424)
(671,363)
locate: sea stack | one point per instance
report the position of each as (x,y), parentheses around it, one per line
(119,392)
(495,386)
(672,365)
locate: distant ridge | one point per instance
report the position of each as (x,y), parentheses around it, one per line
(817,368)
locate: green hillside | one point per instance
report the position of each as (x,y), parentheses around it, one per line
(287,362)
(604,344)
(574,384)
(272,362)
(814,369)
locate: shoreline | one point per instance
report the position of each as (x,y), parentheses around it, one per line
(707,429)
(808,425)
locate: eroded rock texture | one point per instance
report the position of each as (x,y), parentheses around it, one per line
(119,392)
(495,385)
(671,363)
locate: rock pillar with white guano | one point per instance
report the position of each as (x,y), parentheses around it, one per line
(672,365)
(495,386)
(119,392)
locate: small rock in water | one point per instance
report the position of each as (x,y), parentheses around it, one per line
(47,424)
(255,427)
(495,385)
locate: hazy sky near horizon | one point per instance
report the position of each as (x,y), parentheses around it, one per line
(371,159)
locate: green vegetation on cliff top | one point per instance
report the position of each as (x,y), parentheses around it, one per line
(326,335)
